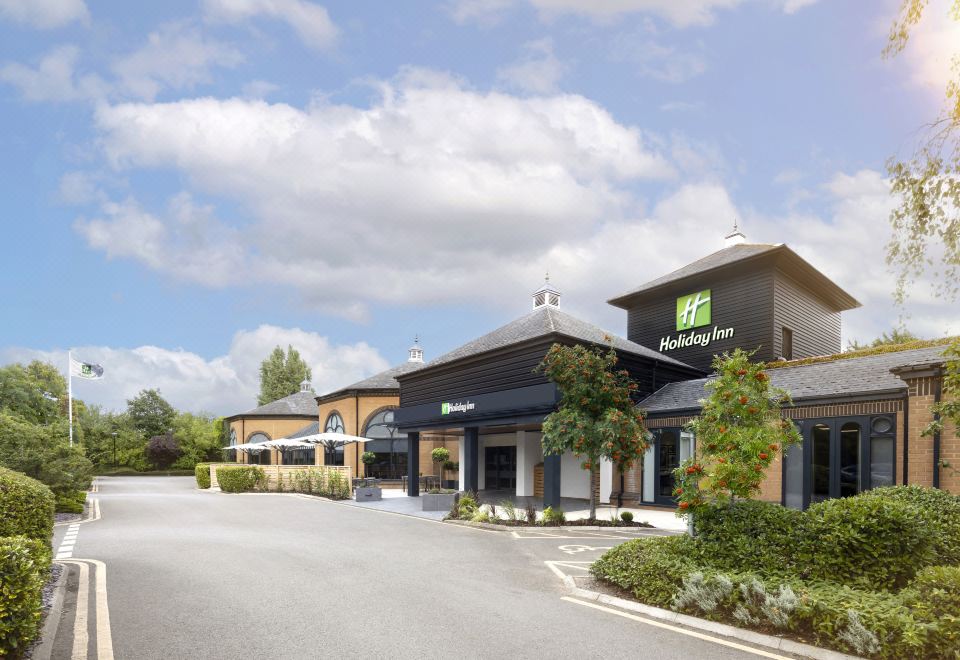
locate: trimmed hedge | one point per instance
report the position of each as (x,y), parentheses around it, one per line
(24,569)
(936,509)
(241,479)
(202,474)
(651,569)
(26,507)
(71,502)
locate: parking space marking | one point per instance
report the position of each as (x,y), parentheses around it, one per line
(676,629)
(577,549)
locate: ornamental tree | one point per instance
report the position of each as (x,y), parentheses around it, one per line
(597,417)
(738,434)
(440,456)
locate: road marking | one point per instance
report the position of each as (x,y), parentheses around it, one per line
(676,629)
(527,535)
(93,514)
(575,549)
(81,638)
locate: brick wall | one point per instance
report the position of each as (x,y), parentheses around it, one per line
(922,395)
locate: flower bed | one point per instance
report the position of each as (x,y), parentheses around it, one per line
(877,574)
(469,509)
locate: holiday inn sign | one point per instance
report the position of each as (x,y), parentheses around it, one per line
(694,310)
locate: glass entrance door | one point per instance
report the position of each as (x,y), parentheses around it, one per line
(667,459)
(501,468)
(833,461)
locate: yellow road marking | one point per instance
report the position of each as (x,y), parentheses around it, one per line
(81,638)
(677,629)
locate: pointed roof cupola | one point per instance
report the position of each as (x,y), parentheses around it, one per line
(416,352)
(547,295)
(736,237)
(305,386)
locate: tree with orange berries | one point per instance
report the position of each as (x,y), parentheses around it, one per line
(597,418)
(739,432)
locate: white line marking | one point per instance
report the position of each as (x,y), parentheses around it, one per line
(64,555)
(676,629)
(81,638)
(93,515)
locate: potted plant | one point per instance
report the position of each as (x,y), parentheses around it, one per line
(440,456)
(368,489)
(439,499)
(451,466)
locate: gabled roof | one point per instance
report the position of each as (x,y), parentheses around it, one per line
(869,375)
(546,321)
(789,260)
(309,429)
(298,404)
(385,381)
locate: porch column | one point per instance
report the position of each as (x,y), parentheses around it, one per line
(471,458)
(551,480)
(413,464)
(606,480)
(527,457)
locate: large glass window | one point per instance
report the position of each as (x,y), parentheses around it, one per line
(820,463)
(334,424)
(793,477)
(257,438)
(849,459)
(669,461)
(388,444)
(649,473)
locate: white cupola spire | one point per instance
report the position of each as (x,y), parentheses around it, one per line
(547,295)
(416,353)
(305,386)
(736,237)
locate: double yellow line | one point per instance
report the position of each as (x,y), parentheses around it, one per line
(81,622)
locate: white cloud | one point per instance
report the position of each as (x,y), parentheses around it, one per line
(223,385)
(933,48)
(54,78)
(310,21)
(652,59)
(482,11)
(44,14)
(176,56)
(793,6)
(345,198)
(538,71)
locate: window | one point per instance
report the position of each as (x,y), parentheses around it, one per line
(334,423)
(388,444)
(786,343)
(849,459)
(233,437)
(257,437)
(882,455)
(793,477)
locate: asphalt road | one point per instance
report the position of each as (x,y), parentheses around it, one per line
(193,574)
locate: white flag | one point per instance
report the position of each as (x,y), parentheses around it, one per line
(85,370)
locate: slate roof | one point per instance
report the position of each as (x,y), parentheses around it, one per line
(739,253)
(309,429)
(541,322)
(385,380)
(867,375)
(298,404)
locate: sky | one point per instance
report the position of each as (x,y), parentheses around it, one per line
(186,184)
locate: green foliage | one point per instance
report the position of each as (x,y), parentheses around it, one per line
(553,516)
(36,392)
(849,355)
(652,569)
(897,337)
(440,455)
(202,473)
(937,510)
(24,569)
(368,458)
(465,507)
(739,433)
(596,417)
(26,507)
(41,452)
(199,437)
(150,414)
(71,502)
(949,407)
(281,374)
(241,478)
(934,595)
(163,450)
(626,516)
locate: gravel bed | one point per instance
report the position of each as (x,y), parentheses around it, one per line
(67,517)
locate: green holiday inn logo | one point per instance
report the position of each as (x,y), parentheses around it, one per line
(693,310)
(444,408)
(459,406)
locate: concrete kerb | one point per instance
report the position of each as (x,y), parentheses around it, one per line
(51,624)
(722,629)
(584,528)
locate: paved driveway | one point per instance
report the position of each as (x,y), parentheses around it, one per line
(194,574)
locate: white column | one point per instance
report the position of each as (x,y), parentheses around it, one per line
(481,465)
(460,455)
(606,480)
(524,474)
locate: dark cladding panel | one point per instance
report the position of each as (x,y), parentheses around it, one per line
(816,328)
(742,301)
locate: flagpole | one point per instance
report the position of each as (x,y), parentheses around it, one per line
(70,392)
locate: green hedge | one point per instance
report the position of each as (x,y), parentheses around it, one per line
(651,569)
(202,474)
(24,569)
(937,509)
(71,502)
(241,479)
(26,507)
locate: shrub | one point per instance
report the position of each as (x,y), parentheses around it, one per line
(702,593)
(938,510)
(24,569)
(553,516)
(71,502)
(467,505)
(748,536)
(531,514)
(652,569)
(934,595)
(202,473)
(163,450)
(874,542)
(26,507)
(241,479)
(626,516)
(368,458)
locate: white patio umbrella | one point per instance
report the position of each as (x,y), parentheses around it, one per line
(286,443)
(251,448)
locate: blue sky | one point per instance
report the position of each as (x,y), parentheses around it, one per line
(185,184)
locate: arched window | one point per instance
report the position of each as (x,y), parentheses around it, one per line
(233,437)
(389,445)
(257,437)
(334,423)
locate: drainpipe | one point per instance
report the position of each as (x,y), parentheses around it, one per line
(936,436)
(906,437)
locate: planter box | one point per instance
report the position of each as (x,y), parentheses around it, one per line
(372,494)
(439,502)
